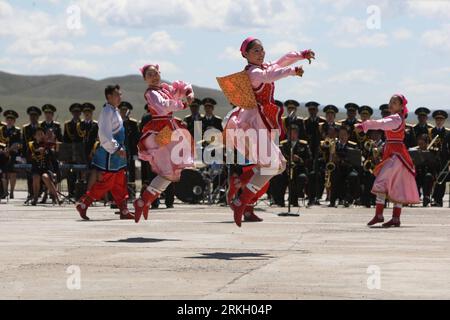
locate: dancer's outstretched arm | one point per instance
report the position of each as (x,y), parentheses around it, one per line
(389,123)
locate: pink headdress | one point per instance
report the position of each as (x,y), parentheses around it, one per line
(404,103)
(245,44)
(144,68)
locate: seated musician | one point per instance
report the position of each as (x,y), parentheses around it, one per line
(44,166)
(345,177)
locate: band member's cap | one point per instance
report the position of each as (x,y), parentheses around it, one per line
(126,105)
(10,114)
(422,111)
(331,109)
(366,110)
(75,107)
(1,109)
(292,103)
(196,103)
(34,110)
(312,104)
(440,114)
(209,102)
(351,106)
(384,107)
(87,106)
(279,103)
(48,108)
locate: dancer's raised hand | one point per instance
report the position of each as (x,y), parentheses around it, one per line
(309,55)
(299,71)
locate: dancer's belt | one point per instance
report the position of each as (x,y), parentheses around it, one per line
(162,117)
(394,141)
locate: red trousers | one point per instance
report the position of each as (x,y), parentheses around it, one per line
(115,182)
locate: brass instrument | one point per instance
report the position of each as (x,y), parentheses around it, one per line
(436,141)
(330,145)
(373,156)
(442,176)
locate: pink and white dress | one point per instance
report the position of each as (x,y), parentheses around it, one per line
(267,115)
(395,175)
(162,102)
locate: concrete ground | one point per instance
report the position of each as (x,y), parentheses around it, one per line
(195,252)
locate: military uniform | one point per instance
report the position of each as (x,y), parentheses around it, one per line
(54,126)
(12,139)
(132,136)
(345,178)
(293,120)
(72,135)
(301,173)
(326,126)
(442,152)
(420,129)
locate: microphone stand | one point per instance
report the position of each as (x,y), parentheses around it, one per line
(289,169)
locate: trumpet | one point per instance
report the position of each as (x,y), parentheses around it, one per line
(442,177)
(436,141)
(369,145)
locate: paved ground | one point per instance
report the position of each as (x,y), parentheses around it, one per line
(194,252)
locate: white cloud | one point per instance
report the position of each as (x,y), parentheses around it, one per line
(231,53)
(63,65)
(168,68)
(40,47)
(437,38)
(430,9)
(275,15)
(367,40)
(358,76)
(402,34)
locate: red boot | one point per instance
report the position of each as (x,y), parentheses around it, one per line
(240,205)
(250,216)
(237,183)
(83,206)
(395,221)
(378,215)
(125,214)
(142,205)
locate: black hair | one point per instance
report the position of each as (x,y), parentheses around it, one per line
(109,90)
(252,44)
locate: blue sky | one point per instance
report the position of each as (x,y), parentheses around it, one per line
(366,50)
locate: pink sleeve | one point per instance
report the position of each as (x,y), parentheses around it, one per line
(288,59)
(163,106)
(179,89)
(389,123)
(269,75)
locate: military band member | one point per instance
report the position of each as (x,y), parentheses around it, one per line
(72,135)
(441,147)
(44,165)
(384,109)
(345,178)
(300,164)
(365,113)
(88,130)
(312,129)
(28,131)
(425,172)
(11,137)
(132,136)
(210,120)
(292,118)
(330,117)
(49,123)
(372,151)
(422,127)
(194,116)
(351,120)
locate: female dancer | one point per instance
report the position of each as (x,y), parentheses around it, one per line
(267,116)
(395,175)
(155,145)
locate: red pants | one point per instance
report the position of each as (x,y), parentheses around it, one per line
(116,182)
